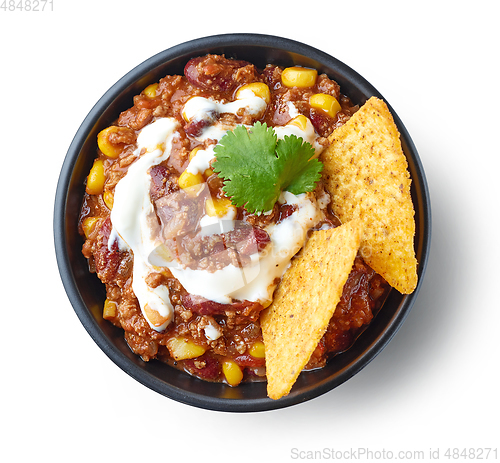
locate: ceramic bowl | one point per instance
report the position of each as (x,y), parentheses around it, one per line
(87,293)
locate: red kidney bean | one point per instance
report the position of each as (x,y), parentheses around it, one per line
(161,183)
(321,122)
(195,128)
(246,360)
(247,239)
(286,210)
(206,367)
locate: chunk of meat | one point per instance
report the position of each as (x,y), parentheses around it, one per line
(163,182)
(247,240)
(215,251)
(217,73)
(204,306)
(180,212)
(107,258)
(122,136)
(136,118)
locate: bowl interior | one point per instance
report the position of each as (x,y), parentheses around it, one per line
(87,294)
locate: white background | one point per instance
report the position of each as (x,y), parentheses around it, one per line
(436,384)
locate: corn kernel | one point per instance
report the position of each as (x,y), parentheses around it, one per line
(88,225)
(153,316)
(232,372)
(193,152)
(326,103)
(108,199)
(300,121)
(95,179)
(110,309)
(298,77)
(257,350)
(107,148)
(187,179)
(217,207)
(186,113)
(208,172)
(258,89)
(182,349)
(150,90)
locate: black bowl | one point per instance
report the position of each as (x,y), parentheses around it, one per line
(87,294)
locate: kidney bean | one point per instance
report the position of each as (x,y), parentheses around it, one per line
(204,306)
(248,240)
(321,122)
(205,367)
(246,360)
(286,210)
(161,182)
(195,128)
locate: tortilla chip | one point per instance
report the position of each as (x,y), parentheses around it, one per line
(367,175)
(304,302)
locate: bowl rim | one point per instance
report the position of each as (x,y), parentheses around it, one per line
(192,48)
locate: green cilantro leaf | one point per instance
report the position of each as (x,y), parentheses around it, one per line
(257,167)
(299,173)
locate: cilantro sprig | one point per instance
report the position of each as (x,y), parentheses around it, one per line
(256,167)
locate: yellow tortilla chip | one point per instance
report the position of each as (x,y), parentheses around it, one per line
(367,175)
(304,302)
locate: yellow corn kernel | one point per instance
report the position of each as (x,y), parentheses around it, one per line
(298,77)
(107,148)
(208,172)
(327,103)
(108,199)
(193,152)
(300,121)
(232,372)
(187,179)
(257,350)
(217,207)
(88,225)
(258,89)
(95,179)
(182,349)
(188,115)
(150,90)
(153,316)
(110,309)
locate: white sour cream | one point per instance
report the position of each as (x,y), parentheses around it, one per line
(132,213)
(198,107)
